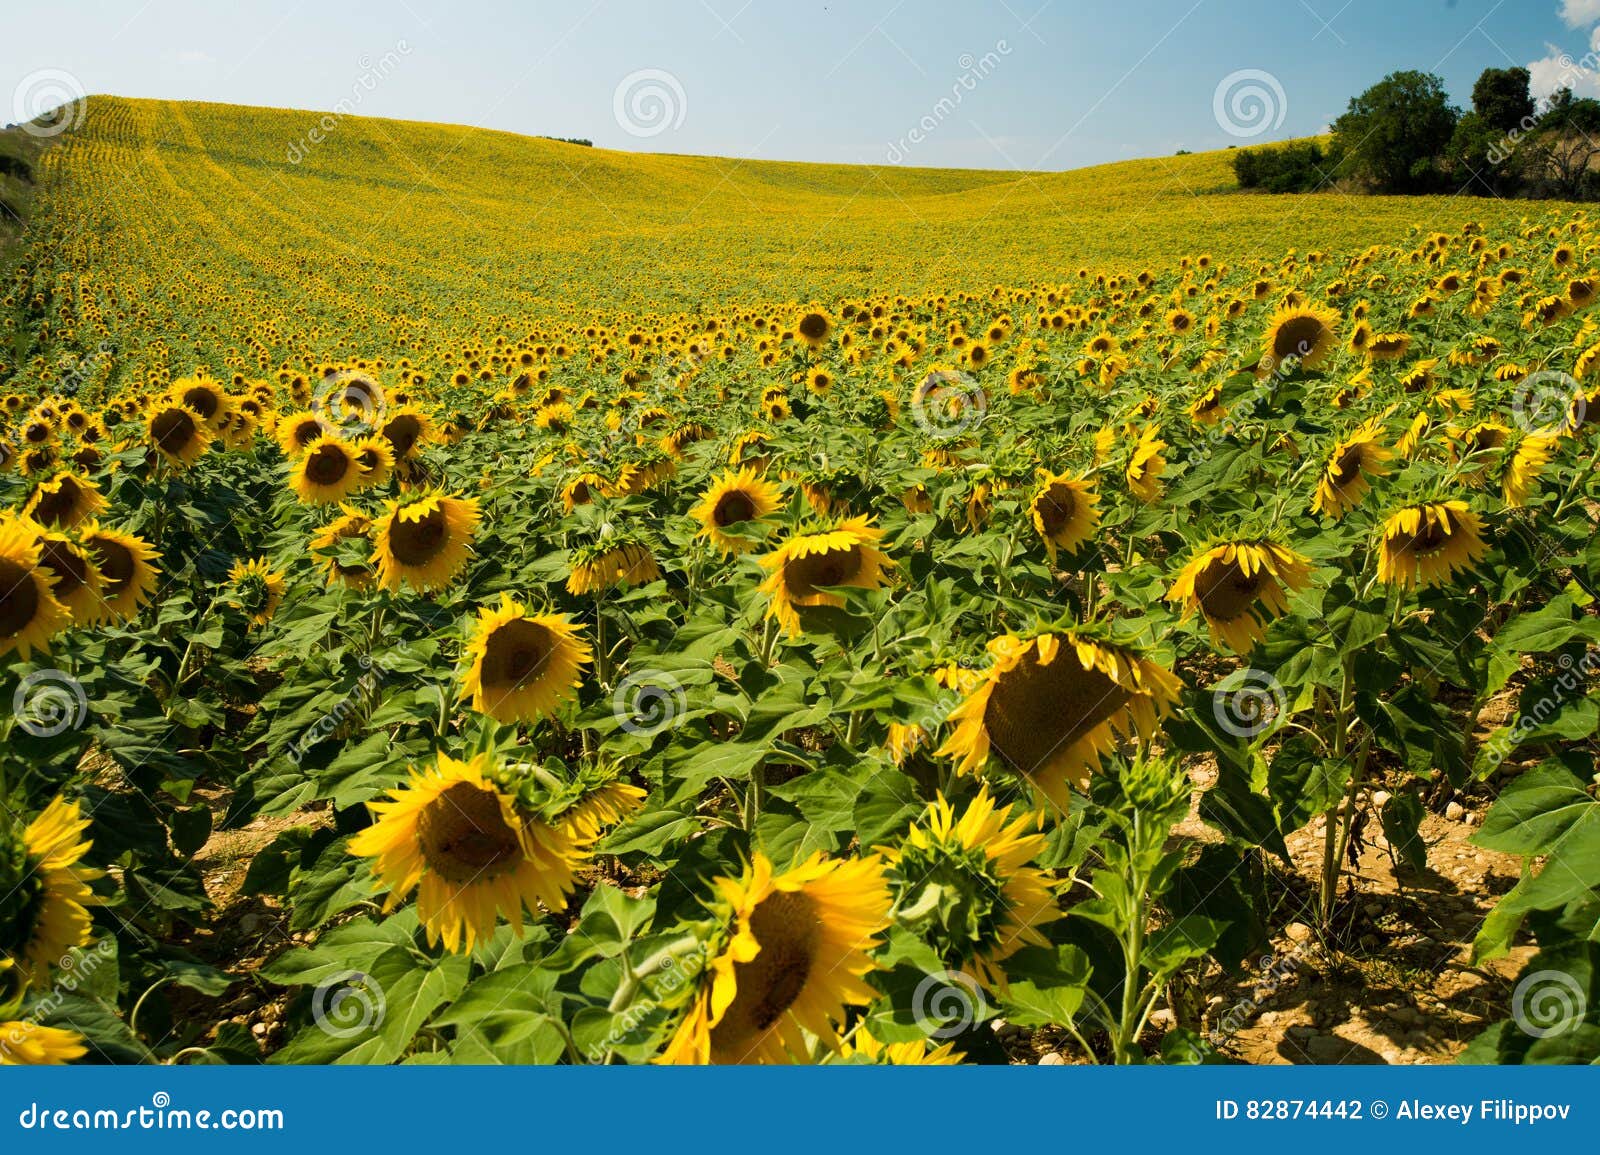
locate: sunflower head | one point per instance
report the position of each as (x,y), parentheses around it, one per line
(730,509)
(127,565)
(806,564)
(30,612)
(257,589)
(1426,544)
(1049,706)
(523,666)
(326,472)
(1065,512)
(1239,586)
(44,890)
(177,433)
(1344,478)
(64,501)
(343,548)
(424,542)
(1297,335)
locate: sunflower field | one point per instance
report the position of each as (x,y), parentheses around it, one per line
(519,642)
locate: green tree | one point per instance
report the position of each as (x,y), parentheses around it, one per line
(1394,133)
(1502,100)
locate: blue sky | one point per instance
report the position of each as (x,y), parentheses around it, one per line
(1038,84)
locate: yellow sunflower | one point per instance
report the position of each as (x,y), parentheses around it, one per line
(341,563)
(813,328)
(793,957)
(458,838)
(1146,465)
(1344,479)
(44,893)
(1065,511)
(298,431)
(407,430)
(27,1044)
(846,555)
(616,561)
(257,589)
(375,457)
(1297,336)
(864,1047)
(1049,706)
(126,564)
(179,433)
(30,612)
(1523,466)
(964,884)
(1425,544)
(735,501)
(425,541)
(1239,587)
(64,501)
(326,472)
(522,666)
(78,580)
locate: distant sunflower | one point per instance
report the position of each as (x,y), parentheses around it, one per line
(1299,335)
(64,501)
(602,807)
(425,541)
(736,502)
(46,892)
(844,555)
(78,579)
(1344,479)
(791,960)
(30,612)
(1146,465)
(126,565)
(1425,544)
(1049,706)
(1388,346)
(1065,511)
(1238,587)
(522,666)
(325,473)
(459,839)
(990,904)
(257,589)
(177,432)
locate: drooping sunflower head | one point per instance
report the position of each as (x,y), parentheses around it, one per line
(1425,544)
(257,589)
(789,958)
(343,548)
(730,510)
(64,501)
(326,472)
(177,432)
(457,836)
(620,560)
(424,542)
(1146,465)
(1523,465)
(1049,706)
(1297,335)
(806,564)
(963,883)
(44,892)
(1344,478)
(523,666)
(1238,587)
(30,612)
(1065,512)
(127,565)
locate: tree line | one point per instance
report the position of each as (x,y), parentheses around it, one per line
(1404,136)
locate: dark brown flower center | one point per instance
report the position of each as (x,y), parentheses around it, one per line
(1036,711)
(19,598)
(1296,337)
(785,924)
(1225,591)
(802,575)
(733,507)
(173,430)
(516,652)
(464,836)
(418,542)
(327,465)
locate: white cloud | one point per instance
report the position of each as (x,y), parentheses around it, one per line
(1558,69)
(1577,13)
